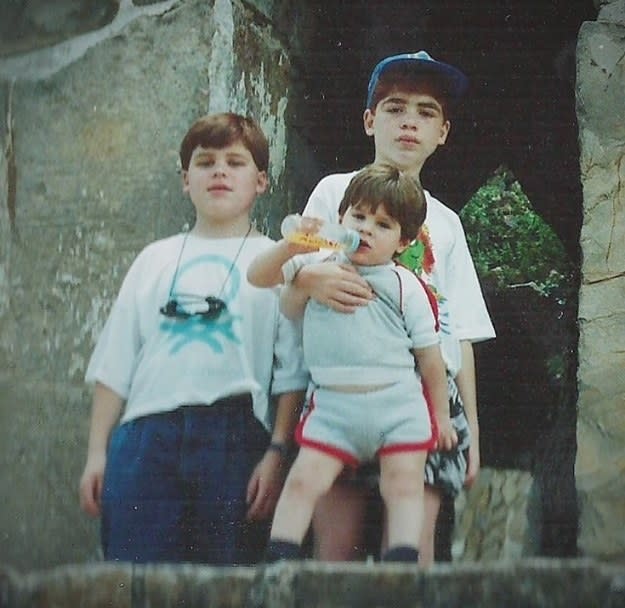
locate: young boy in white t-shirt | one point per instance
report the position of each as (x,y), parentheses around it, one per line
(186,455)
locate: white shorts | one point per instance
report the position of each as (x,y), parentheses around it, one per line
(358,427)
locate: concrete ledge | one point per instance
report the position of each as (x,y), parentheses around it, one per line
(524,584)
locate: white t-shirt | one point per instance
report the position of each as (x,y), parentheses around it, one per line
(158,363)
(374,344)
(442,259)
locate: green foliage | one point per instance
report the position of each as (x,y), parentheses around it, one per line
(510,244)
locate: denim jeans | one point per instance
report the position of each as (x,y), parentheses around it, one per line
(175,484)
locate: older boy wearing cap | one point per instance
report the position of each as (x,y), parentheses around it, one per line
(407,114)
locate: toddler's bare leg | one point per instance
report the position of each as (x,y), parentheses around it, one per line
(401,486)
(311,475)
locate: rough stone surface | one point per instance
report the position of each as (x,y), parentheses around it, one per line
(526,583)
(612,12)
(88,177)
(496,518)
(30,24)
(600,464)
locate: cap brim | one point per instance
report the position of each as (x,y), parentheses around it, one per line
(456,82)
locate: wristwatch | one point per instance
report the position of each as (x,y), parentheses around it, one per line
(280,447)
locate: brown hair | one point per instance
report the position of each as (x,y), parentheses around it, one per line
(382,184)
(406,79)
(221,130)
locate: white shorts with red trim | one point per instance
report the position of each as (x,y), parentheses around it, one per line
(358,427)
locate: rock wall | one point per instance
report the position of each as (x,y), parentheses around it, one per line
(498,518)
(600,464)
(90,132)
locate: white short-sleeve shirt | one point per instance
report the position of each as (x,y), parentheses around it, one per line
(157,363)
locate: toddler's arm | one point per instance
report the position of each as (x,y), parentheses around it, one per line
(293,301)
(266,268)
(434,376)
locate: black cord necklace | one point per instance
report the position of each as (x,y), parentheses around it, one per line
(215,305)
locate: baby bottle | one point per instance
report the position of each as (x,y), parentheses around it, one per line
(328,236)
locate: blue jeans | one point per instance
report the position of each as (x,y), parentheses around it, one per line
(175,484)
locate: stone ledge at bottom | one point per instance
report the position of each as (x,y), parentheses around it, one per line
(535,582)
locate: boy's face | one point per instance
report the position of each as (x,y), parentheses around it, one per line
(407,127)
(223,184)
(380,234)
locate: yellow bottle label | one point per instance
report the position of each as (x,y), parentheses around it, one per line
(312,241)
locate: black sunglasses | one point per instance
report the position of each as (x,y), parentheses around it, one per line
(177,306)
(175,310)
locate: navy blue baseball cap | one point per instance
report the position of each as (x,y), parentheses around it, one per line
(420,62)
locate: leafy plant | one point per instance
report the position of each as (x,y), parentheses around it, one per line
(511,245)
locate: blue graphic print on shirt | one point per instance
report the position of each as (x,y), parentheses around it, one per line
(213,332)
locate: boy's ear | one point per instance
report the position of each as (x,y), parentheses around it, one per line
(262,183)
(185,181)
(445,128)
(367,119)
